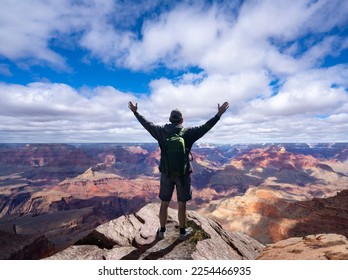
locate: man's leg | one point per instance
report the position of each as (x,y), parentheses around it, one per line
(184,194)
(166,192)
(182,214)
(163,213)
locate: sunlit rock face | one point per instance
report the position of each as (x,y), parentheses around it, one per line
(311,247)
(272,215)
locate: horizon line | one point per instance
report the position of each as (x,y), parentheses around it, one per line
(199,143)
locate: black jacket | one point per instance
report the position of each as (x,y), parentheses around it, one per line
(191,135)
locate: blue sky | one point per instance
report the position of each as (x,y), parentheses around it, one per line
(68,69)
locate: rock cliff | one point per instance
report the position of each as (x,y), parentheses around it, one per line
(134,237)
(24,247)
(272,215)
(311,247)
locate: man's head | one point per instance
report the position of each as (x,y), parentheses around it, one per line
(176,117)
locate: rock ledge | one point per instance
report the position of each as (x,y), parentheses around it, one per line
(134,237)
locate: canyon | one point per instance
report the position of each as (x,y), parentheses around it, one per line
(270,192)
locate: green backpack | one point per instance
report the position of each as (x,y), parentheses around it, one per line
(175,155)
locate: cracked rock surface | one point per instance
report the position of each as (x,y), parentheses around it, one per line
(134,237)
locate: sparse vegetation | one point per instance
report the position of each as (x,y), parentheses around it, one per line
(198,233)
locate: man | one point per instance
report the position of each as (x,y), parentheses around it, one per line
(182,182)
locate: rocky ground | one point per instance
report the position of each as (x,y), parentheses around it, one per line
(311,247)
(134,237)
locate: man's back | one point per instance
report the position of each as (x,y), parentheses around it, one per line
(191,135)
(175,155)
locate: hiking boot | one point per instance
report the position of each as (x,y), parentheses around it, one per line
(187,234)
(160,234)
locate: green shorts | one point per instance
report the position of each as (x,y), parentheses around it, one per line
(182,184)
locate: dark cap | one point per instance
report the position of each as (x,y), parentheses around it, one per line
(175,116)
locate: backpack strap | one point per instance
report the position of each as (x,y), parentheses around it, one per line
(181,132)
(188,153)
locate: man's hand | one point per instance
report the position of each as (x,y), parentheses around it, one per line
(132,107)
(222,109)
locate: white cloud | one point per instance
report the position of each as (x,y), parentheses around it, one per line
(339,118)
(46,110)
(27,26)
(219,43)
(239,50)
(310,100)
(329,46)
(309,93)
(178,38)
(200,99)
(211,37)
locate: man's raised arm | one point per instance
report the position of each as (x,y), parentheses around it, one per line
(222,109)
(149,126)
(132,107)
